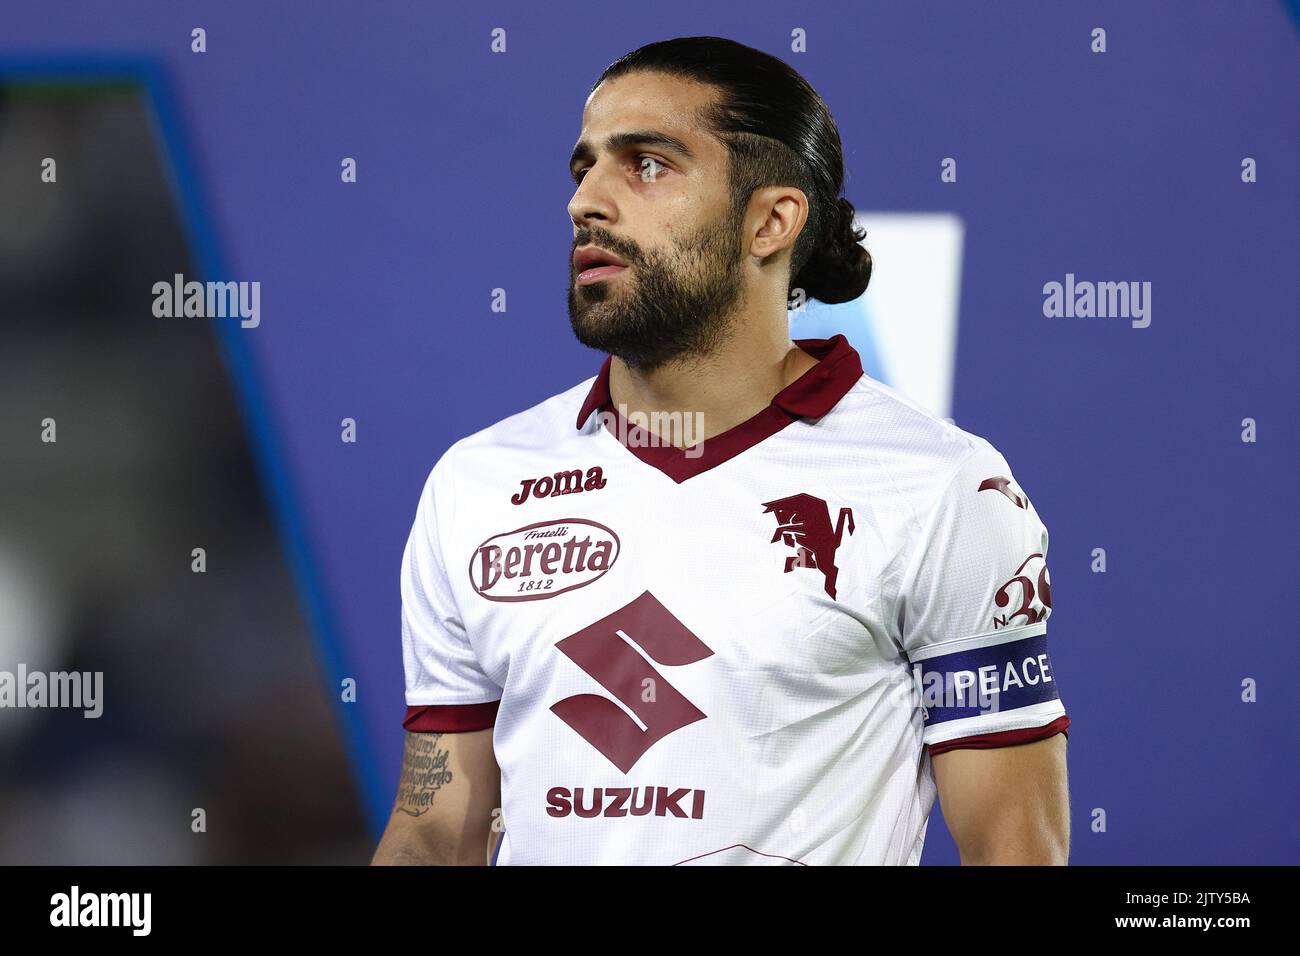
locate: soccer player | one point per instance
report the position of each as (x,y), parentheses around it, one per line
(730,600)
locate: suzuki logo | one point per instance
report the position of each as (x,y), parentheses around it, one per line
(603,650)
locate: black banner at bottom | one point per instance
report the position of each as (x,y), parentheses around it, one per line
(938,906)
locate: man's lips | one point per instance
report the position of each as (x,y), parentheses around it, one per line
(591,255)
(592,264)
(595,274)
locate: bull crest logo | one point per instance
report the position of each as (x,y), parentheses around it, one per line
(804,523)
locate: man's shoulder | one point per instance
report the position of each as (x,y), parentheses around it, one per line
(538,426)
(903,436)
(542,429)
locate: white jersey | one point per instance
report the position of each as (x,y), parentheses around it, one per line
(744,655)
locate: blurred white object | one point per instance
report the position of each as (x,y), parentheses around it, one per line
(30,627)
(905,325)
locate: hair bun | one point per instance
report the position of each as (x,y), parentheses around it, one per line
(840,266)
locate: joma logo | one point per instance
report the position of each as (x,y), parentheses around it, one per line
(560,483)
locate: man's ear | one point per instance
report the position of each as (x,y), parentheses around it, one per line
(783,212)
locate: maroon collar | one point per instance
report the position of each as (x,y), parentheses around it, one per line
(811,395)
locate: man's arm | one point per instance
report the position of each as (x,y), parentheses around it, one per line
(1007,805)
(449,788)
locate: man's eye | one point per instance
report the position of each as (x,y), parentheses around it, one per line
(649,170)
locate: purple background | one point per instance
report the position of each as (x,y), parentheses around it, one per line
(1122,166)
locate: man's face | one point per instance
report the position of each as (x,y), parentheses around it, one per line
(663,208)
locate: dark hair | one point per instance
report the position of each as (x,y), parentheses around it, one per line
(778,132)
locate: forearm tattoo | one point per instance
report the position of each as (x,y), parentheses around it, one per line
(424,773)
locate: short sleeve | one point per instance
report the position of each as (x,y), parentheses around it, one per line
(446,688)
(973,611)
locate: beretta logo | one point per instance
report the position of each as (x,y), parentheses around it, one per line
(542,560)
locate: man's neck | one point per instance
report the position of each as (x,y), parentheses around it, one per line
(719,390)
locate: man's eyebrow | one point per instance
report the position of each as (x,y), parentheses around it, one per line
(616,142)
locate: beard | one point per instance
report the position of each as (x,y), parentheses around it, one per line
(666,306)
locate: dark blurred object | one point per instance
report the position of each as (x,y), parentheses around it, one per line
(213,695)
